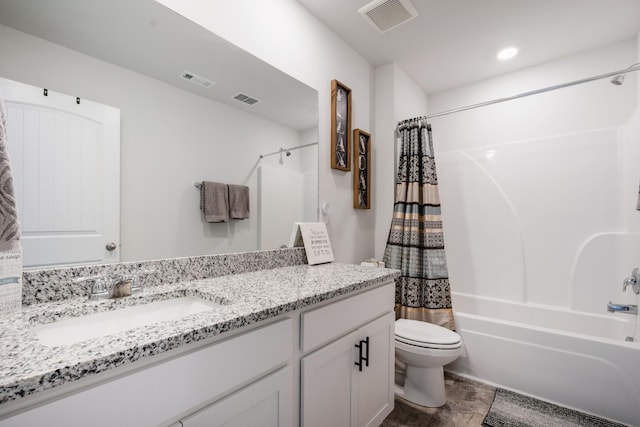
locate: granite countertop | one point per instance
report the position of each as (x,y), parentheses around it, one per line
(28,367)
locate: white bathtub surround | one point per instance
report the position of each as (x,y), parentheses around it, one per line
(539,203)
(574,359)
(536,244)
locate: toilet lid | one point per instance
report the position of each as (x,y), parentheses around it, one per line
(415,331)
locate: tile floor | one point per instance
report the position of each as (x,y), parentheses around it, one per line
(467,404)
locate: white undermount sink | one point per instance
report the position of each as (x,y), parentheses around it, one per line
(73,330)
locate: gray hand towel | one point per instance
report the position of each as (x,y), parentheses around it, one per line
(214,201)
(9,227)
(238,201)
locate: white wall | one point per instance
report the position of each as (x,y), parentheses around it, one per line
(277,209)
(587,106)
(170,139)
(287,36)
(538,194)
(397,98)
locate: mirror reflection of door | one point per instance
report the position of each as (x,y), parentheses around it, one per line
(65,159)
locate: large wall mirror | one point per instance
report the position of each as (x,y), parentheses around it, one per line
(193,107)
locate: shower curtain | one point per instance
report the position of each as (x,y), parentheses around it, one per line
(415,245)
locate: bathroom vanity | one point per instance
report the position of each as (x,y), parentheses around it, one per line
(287,346)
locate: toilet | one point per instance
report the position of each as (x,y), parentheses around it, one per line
(423,349)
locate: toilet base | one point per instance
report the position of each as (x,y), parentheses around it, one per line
(423,386)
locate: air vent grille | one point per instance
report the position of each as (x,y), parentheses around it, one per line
(246,99)
(196,79)
(385,15)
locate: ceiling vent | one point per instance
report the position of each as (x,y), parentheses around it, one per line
(196,79)
(385,15)
(246,99)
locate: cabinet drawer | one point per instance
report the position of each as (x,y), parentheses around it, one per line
(321,325)
(154,395)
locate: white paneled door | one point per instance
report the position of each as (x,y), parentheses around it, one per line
(65,159)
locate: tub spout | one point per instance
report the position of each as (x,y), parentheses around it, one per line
(622,308)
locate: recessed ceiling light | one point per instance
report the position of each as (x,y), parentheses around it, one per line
(507,53)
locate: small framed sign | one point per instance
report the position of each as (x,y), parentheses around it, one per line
(361,169)
(11,278)
(315,239)
(340,126)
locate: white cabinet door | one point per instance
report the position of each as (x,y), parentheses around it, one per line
(335,392)
(265,403)
(65,159)
(375,382)
(327,377)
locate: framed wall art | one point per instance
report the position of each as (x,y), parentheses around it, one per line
(340,126)
(361,169)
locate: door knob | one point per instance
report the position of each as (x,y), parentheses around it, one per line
(111,246)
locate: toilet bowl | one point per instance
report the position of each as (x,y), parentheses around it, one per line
(424,348)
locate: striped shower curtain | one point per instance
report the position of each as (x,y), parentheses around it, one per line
(416,245)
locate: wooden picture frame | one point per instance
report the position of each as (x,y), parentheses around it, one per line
(361,169)
(340,126)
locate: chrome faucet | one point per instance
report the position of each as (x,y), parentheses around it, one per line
(121,287)
(633,281)
(622,308)
(107,287)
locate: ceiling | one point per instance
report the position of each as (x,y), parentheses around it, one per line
(455,42)
(157,42)
(450,43)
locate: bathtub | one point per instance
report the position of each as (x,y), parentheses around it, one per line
(578,360)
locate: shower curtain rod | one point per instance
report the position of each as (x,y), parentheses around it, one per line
(284,150)
(634,67)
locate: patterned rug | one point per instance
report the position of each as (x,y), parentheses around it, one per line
(515,410)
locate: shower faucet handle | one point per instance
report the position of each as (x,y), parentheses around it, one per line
(633,280)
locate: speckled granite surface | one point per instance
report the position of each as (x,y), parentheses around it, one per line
(58,284)
(28,367)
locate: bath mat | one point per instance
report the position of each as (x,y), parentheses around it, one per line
(511,409)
